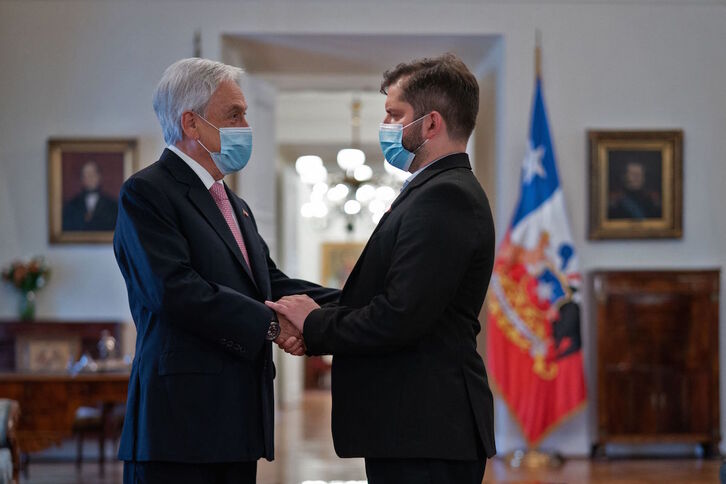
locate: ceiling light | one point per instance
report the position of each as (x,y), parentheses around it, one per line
(351,207)
(350,158)
(338,192)
(365,193)
(363,173)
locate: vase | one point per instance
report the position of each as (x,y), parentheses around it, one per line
(27,306)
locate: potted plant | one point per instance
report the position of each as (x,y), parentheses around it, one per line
(28,278)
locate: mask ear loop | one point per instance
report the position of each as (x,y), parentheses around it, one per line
(213,126)
(206,121)
(205,148)
(416,121)
(420,146)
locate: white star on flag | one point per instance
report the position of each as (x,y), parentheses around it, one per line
(532,164)
(544,291)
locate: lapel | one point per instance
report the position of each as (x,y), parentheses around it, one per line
(203,201)
(448,162)
(456,160)
(255,250)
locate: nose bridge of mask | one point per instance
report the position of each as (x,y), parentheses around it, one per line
(229,137)
(391,128)
(229,134)
(231,130)
(391,132)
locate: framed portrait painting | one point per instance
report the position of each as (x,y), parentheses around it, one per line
(338,260)
(636,184)
(84,181)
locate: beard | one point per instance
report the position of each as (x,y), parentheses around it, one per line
(412,140)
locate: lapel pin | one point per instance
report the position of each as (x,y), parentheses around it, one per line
(244,212)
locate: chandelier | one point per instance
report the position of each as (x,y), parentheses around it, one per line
(354,192)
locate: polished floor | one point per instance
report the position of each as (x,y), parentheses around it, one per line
(305,455)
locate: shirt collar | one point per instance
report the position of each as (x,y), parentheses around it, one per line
(415,173)
(201,172)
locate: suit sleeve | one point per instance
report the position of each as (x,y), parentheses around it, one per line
(154,258)
(433,248)
(282,285)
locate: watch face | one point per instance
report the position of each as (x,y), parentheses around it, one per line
(274,331)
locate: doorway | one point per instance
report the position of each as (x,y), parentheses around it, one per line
(300,89)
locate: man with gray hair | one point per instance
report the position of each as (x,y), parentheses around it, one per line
(200,402)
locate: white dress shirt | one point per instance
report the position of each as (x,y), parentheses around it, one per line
(201,172)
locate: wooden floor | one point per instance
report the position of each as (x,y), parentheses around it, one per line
(305,453)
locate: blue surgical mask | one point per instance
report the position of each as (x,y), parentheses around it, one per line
(235,148)
(390,137)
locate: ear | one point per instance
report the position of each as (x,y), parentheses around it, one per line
(189,125)
(433,125)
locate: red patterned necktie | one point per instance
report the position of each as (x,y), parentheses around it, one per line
(219,194)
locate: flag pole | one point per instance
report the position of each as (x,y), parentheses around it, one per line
(538,53)
(533,458)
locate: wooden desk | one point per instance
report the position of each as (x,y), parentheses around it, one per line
(48,402)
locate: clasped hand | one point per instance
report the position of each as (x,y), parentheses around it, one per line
(291,312)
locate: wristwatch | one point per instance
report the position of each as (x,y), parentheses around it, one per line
(274,330)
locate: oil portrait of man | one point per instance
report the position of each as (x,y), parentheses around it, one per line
(635,185)
(91,209)
(84,182)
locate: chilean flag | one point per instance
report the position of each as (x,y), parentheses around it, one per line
(534,344)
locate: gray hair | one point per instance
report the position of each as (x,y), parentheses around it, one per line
(187,85)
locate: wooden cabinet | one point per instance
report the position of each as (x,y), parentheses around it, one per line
(657,357)
(85,333)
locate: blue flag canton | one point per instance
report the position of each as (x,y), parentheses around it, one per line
(539,179)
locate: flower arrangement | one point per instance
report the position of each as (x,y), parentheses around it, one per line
(27,277)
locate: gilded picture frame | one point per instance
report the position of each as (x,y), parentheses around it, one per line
(338,259)
(636,184)
(84,181)
(336,263)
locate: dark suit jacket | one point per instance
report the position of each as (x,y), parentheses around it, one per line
(407,381)
(201,381)
(102,218)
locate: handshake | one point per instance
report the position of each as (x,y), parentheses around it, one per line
(291,313)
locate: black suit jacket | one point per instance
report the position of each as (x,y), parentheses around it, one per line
(407,381)
(201,381)
(103,217)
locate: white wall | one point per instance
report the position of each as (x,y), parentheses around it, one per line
(88,69)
